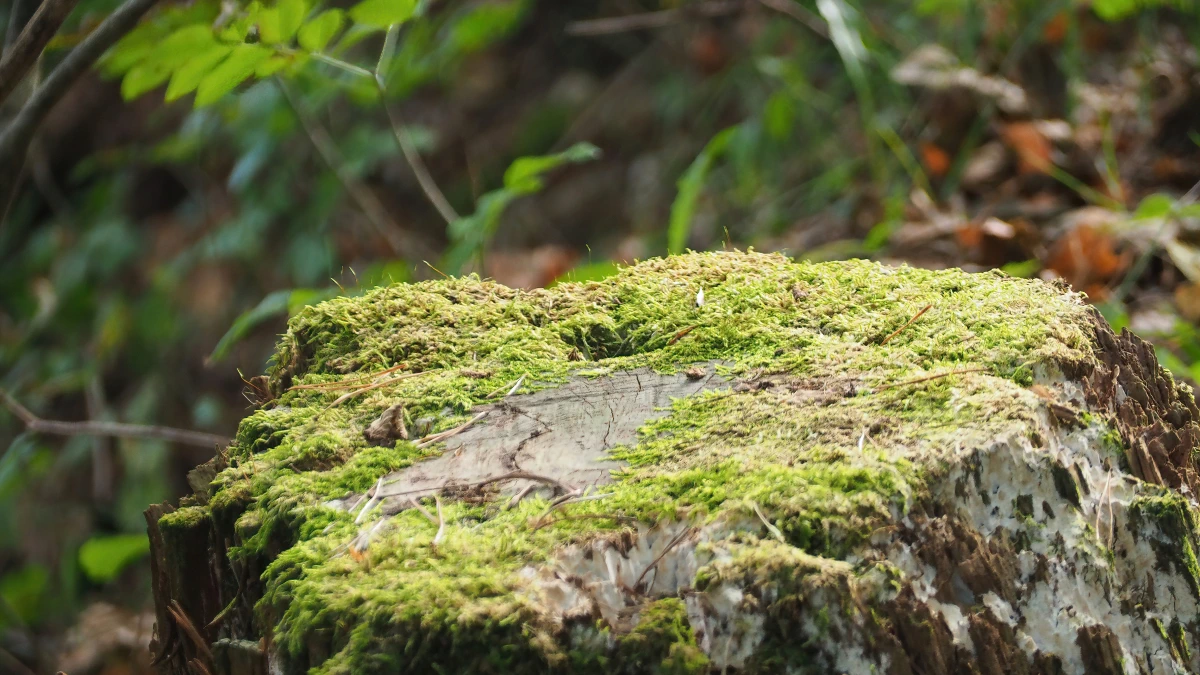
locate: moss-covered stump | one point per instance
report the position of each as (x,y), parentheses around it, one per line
(722,462)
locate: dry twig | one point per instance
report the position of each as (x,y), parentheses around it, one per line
(424,511)
(680,335)
(652,20)
(441,436)
(371,387)
(674,542)
(38,425)
(910,322)
(401,242)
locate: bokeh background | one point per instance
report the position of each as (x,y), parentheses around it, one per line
(154,250)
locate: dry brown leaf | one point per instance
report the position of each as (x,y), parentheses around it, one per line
(1087,259)
(936,160)
(1187,300)
(1030,144)
(1055,29)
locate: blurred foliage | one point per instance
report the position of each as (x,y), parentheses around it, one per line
(147,265)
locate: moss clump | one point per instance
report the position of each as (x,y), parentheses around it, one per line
(826,468)
(661,643)
(1179,521)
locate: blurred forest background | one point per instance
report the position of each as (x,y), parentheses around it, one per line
(229,162)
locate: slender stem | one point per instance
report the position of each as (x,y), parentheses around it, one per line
(398,240)
(343,65)
(36,424)
(429,186)
(29,44)
(385,54)
(413,157)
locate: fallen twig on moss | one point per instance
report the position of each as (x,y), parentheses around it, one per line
(424,511)
(371,387)
(910,322)
(443,435)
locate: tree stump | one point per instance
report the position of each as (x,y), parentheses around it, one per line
(725,462)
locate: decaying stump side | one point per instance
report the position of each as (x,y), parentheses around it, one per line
(784,473)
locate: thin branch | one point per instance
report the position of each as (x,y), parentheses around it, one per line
(514,475)
(371,387)
(15,139)
(425,512)
(413,157)
(36,424)
(20,57)
(799,13)
(678,538)
(651,20)
(435,438)
(397,238)
(14,663)
(901,328)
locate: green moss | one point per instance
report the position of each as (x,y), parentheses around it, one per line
(1179,641)
(1178,520)
(826,469)
(662,642)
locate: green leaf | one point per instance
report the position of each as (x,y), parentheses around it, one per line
(484,24)
(184,45)
(1024,269)
(142,78)
(234,70)
(589,272)
(317,33)
(268,26)
(103,557)
(383,13)
(779,115)
(684,206)
(271,66)
(470,234)
(1154,206)
(188,77)
(286,301)
(291,16)
(174,52)
(524,175)
(23,591)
